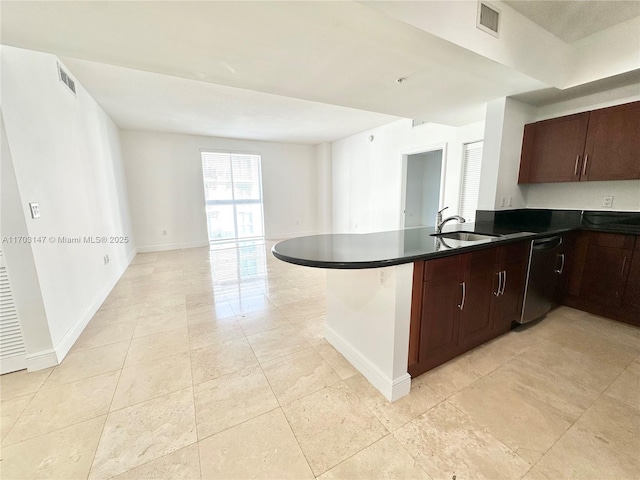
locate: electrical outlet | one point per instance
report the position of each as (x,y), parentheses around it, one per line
(383,277)
(510,201)
(35,210)
(608,201)
(502,202)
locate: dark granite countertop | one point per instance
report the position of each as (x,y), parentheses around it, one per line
(383,249)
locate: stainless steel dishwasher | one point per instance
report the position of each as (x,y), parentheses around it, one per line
(546,264)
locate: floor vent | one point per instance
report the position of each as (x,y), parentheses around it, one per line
(66,79)
(488,19)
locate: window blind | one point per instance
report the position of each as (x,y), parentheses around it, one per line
(470,185)
(233,195)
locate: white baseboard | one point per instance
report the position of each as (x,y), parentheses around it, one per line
(41,360)
(171,246)
(392,389)
(64,345)
(13,363)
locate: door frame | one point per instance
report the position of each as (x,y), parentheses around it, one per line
(403,189)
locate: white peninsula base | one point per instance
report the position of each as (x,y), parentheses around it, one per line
(368,319)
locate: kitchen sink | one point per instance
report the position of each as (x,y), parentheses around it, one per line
(466,236)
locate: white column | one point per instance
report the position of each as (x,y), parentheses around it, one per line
(368,318)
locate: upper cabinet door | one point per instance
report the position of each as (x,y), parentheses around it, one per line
(612,150)
(552,150)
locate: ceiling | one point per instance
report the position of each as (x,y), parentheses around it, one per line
(549,96)
(139,100)
(572,20)
(338,53)
(299,71)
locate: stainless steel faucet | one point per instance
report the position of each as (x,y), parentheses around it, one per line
(441,222)
(439,216)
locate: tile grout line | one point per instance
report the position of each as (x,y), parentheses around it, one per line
(195,413)
(283,414)
(93,459)
(600,395)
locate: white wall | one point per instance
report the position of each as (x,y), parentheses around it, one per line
(323,193)
(66,154)
(375,339)
(547,58)
(19,258)
(164,178)
(604,54)
(368,176)
(504,129)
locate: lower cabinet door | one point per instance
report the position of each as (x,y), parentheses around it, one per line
(604,275)
(475,313)
(631,299)
(439,322)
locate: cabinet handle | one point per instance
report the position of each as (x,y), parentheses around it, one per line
(575,168)
(504,282)
(464,295)
(561,269)
(624,263)
(584,167)
(497,292)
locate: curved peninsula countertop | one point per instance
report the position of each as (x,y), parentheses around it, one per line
(397,247)
(385,249)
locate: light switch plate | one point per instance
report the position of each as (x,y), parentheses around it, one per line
(608,201)
(35,210)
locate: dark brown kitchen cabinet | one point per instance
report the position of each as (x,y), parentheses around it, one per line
(462,301)
(631,300)
(599,272)
(552,150)
(601,144)
(479,281)
(435,313)
(612,150)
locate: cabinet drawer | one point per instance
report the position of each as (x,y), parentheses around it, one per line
(480,260)
(613,240)
(514,251)
(442,267)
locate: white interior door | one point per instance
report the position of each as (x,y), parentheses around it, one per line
(12,351)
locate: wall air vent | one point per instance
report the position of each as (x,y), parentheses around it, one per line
(417,123)
(488,19)
(66,79)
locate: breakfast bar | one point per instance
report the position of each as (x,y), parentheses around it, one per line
(372,284)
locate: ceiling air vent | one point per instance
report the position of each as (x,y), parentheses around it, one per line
(66,79)
(488,19)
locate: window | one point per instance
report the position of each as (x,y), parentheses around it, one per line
(470,185)
(233,195)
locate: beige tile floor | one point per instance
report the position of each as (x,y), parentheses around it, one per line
(212,364)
